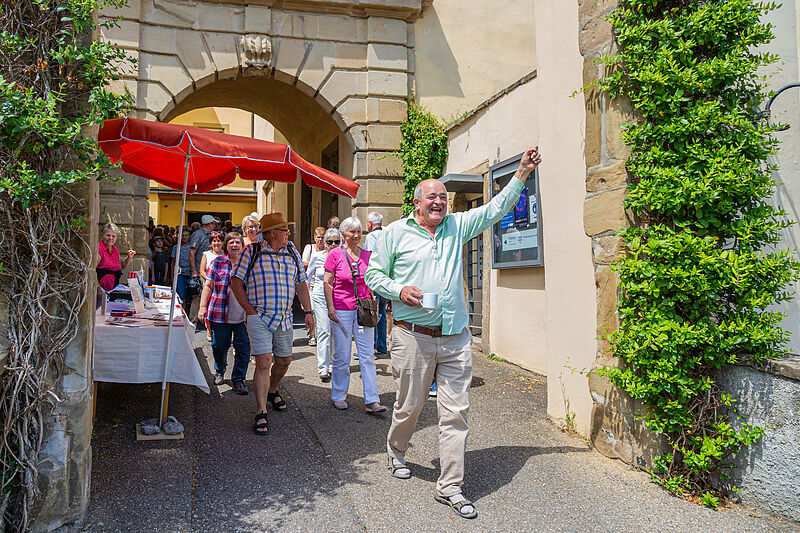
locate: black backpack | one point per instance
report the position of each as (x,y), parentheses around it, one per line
(257,251)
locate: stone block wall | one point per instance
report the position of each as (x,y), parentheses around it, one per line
(354,58)
(615,432)
(124,203)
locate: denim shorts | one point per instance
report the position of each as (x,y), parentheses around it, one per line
(263,340)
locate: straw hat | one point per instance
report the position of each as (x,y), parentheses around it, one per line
(272,221)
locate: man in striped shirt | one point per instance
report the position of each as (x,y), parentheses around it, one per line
(266,290)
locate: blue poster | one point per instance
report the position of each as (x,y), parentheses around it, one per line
(521,218)
(507,221)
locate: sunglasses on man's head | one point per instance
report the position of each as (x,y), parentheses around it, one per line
(333,242)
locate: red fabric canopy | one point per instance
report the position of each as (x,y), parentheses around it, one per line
(157,151)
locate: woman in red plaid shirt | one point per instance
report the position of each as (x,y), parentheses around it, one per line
(225,316)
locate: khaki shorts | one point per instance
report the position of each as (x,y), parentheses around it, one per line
(263,340)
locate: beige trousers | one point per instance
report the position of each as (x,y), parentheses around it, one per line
(416,360)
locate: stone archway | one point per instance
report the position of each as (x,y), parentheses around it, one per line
(350,62)
(348,65)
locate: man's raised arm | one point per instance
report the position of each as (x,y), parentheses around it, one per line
(478,219)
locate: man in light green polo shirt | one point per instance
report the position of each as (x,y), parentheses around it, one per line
(420,255)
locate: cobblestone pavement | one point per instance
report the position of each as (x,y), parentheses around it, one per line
(322,470)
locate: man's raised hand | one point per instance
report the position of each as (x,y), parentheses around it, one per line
(530,159)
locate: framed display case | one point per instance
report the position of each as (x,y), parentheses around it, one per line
(516,239)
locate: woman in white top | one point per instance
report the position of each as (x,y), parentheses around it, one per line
(251,226)
(317,247)
(316,276)
(215,239)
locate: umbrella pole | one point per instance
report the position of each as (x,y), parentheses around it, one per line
(162,413)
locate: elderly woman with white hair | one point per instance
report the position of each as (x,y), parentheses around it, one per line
(316,277)
(251,226)
(344,276)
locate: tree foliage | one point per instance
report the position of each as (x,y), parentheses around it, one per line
(703,270)
(54,84)
(423,150)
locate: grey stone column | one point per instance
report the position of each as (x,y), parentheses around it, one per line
(615,431)
(65,460)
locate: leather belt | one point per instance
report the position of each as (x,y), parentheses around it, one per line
(433,332)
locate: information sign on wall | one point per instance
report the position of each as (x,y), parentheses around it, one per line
(517,241)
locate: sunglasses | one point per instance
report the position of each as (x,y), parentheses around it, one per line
(333,242)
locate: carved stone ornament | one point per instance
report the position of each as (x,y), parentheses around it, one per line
(256,50)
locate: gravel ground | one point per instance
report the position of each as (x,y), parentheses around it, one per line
(322,470)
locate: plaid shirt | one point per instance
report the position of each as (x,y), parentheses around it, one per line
(219,272)
(270,287)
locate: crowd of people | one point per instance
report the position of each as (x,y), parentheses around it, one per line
(250,277)
(213,259)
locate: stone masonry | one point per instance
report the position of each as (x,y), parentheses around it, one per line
(354,58)
(615,432)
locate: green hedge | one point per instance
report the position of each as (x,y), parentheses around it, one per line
(703,273)
(423,150)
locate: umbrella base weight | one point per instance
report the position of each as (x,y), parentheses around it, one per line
(157,436)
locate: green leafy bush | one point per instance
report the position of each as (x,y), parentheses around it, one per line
(423,150)
(702,273)
(54,83)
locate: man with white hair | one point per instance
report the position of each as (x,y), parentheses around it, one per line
(415,257)
(374,227)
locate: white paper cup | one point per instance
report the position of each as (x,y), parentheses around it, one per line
(430,300)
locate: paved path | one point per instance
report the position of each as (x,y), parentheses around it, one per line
(323,470)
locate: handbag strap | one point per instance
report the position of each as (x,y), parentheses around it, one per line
(353,267)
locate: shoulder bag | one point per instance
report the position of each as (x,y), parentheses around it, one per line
(366,308)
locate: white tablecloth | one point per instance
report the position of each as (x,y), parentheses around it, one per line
(136,355)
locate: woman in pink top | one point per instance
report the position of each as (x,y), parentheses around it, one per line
(108,268)
(340,267)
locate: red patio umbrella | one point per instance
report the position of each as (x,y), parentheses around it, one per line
(195,160)
(158,151)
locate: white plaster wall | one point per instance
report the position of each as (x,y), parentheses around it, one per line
(571,299)
(466,51)
(555,306)
(516,296)
(786,109)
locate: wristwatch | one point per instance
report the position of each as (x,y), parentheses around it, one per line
(309,312)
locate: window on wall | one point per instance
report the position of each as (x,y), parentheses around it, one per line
(517,241)
(219,128)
